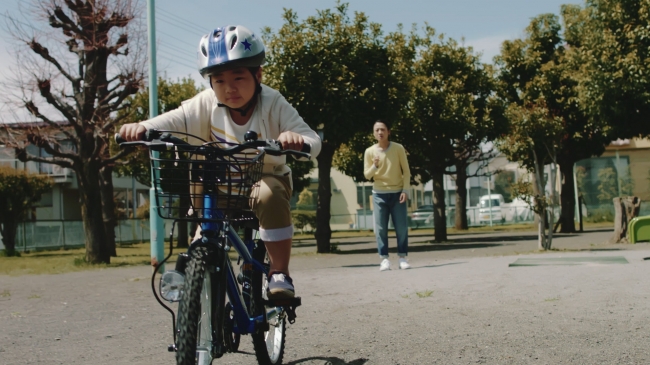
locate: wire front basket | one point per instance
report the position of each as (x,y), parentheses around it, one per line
(182,177)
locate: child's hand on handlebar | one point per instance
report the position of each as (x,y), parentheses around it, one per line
(291,141)
(132,132)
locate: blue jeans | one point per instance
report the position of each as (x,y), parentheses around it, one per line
(385,204)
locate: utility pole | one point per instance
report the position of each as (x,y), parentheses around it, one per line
(156,224)
(489,188)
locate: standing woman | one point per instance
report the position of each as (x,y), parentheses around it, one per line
(385,163)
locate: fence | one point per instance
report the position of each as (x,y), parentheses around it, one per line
(55,234)
(70,234)
(363,220)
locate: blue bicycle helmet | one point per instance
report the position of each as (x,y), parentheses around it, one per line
(229,47)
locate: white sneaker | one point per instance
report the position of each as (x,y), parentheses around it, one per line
(385,265)
(403,264)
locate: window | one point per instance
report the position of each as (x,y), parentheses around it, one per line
(485,203)
(45,201)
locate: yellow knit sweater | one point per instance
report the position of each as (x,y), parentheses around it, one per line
(393,174)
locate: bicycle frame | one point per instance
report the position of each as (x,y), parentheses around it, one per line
(244,323)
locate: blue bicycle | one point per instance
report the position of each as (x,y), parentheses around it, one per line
(212,184)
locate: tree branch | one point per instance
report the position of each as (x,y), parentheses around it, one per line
(47,144)
(44,86)
(45,54)
(49,160)
(33,109)
(111,160)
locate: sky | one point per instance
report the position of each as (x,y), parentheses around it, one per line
(483,24)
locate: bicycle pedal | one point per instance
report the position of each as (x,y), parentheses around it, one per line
(284,302)
(289,305)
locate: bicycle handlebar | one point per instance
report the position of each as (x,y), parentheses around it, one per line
(162,140)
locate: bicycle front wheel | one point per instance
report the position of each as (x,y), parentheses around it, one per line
(269,345)
(194,341)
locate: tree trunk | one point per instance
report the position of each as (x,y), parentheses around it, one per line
(460,218)
(9,229)
(323,231)
(439,216)
(88,177)
(625,209)
(567,198)
(540,207)
(108,208)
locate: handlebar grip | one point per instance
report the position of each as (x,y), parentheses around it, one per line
(306,148)
(119,139)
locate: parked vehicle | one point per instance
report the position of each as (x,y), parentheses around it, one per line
(490,209)
(422,217)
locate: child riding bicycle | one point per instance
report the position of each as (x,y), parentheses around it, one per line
(230,58)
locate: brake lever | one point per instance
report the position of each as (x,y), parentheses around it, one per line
(274,148)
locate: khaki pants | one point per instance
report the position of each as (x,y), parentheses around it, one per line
(272,207)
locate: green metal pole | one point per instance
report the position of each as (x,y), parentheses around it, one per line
(157,228)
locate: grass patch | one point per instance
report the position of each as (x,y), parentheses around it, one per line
(424,294)
(70,260)
(5,294)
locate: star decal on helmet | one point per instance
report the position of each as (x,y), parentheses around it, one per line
(247,45)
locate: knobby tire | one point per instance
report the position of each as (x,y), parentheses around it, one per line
(189,308)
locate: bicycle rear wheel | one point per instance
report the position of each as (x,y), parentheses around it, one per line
(195,313)
(269,345)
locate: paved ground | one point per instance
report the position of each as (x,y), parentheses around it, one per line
(460,304)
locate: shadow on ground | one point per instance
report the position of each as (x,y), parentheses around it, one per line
(454,242)
(422,248)
(330,361)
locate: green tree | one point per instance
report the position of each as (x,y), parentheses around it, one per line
(615,53)
(533,141)
(584,136)
(19,190)
(80,70)
(449,115)
(336,72)
(401,49)
(542,72)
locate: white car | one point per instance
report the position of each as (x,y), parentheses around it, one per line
(490,205)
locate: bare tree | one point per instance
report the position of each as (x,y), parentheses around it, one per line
(79,69)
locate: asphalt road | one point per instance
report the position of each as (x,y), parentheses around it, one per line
(461,303)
